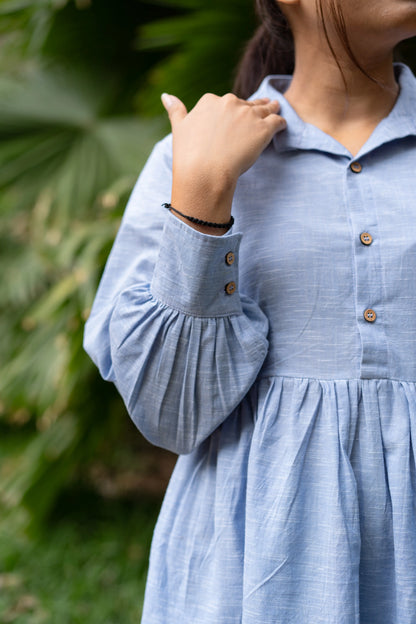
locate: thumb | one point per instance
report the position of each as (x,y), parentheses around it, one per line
(176,109)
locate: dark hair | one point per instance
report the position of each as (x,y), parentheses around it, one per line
(271,49)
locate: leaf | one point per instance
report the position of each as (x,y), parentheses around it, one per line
(205,44)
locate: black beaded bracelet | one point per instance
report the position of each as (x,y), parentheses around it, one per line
(200,221)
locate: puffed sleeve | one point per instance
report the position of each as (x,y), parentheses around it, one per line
(167,326)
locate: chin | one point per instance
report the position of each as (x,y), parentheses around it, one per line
(410,34)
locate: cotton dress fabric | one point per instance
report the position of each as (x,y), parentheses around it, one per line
(293,500)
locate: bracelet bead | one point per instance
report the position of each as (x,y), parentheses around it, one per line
(200,221)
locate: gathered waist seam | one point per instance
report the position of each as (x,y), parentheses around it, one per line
(307,378)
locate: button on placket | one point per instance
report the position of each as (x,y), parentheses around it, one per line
(370,315)
(366,238)
(356,167)
(362,214)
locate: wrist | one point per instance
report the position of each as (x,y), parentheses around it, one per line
(205,200)
(222,227)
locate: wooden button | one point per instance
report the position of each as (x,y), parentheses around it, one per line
(230,288)
(366,238)
(356,167)
(370,315)
(229,258)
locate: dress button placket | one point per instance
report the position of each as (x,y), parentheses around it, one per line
(368,269)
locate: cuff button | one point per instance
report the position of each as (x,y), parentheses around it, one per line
(229,258)
(230,288)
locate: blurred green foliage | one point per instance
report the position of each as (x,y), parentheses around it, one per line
(88,568)
(80,83)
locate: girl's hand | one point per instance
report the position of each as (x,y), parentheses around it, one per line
(213,144)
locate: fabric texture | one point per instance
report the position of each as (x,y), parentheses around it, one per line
(293,500)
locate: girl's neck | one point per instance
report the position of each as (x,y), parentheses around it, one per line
(348,111)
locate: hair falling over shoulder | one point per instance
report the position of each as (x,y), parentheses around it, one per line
(270,51)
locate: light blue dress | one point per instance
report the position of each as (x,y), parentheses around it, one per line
(292,401)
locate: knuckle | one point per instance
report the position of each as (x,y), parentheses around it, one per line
(207,97)
(229,98)
(280,123)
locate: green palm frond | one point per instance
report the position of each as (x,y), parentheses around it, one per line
(205,44)
(55,130)
(24,27)
(66,170)
(67,167)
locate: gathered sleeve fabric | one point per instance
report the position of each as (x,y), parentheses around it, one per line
(168,325)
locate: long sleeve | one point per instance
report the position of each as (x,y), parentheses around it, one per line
(168,325)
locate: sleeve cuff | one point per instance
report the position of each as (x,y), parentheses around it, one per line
(197,273)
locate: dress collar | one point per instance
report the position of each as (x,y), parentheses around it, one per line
(299,135)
